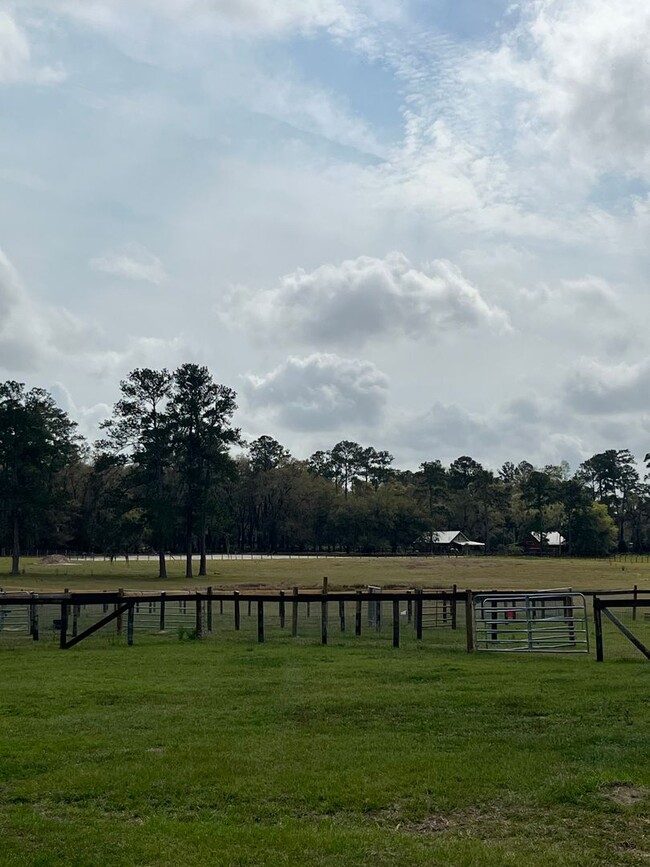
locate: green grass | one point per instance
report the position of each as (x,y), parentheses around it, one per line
(226,752)
(476,572)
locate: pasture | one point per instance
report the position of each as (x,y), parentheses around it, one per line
(475,572)
(223,751)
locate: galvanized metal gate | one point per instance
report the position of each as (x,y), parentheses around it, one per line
(542,622)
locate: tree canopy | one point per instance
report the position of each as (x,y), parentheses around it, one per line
(172,473)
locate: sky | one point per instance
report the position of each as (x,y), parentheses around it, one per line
(421,225)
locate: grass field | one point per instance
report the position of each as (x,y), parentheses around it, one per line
(474,572)
(226,752)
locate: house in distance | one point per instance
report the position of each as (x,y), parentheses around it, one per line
(554,543)
(449,542)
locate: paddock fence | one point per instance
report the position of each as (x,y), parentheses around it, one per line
(494,620)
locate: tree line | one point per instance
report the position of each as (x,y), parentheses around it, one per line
(171,473)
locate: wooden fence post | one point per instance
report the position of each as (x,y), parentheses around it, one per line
(162,611)
(635,596)
(130,616)
(260,621)
(236,609)
(199,617)
(33,619)
(469,620)
(342,614)
(357,614)
(454,612)
(409,607)
(323,613)
(418,616)
(294,613)
(118,620)
(249,607)
(208,606)
(63,636)
(281,612)
(395,622)
(598,626)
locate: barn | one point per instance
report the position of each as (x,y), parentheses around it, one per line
(554,543)
(449,542)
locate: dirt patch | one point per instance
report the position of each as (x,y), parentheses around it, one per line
(428,825)
(624,794)
(55,560)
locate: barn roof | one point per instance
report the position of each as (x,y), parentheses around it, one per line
(446,537)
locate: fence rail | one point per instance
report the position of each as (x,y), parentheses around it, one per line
(77,615)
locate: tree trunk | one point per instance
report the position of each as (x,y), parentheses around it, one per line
(15,551)
(162,564)
(203,565)
(188,557)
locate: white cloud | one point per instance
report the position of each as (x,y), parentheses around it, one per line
(16,61)
(583,67)
(320,392)
(597,388)
(88,418)
(367,298)
(588,297)
(133,262)
(309,108)
(37,338)
(245,16)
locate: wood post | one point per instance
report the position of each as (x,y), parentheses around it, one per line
(469,620)
(118,622)
(409,607)
(260,621)
(33,619)
(249,607)
(598,628)
(395,622)
(357,614)
(130,617)
(63,637)
(236,609)
(323,613)
(162,611)
(294,613)
(199,617)
(208,607)
(418,615)
(342,614)
(635,596)
(281,612)
(378,616)
(454,610)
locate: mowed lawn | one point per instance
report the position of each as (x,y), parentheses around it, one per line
(223,751)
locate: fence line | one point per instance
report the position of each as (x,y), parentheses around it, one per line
(21,610)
